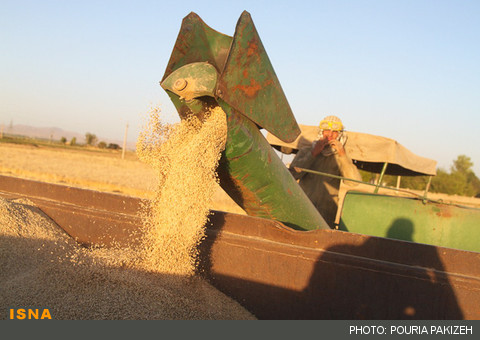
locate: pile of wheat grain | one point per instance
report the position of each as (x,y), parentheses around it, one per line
(43,267)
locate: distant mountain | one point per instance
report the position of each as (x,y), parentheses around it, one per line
(55,133)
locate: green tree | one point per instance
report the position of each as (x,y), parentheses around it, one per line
(90,139)
(447,183)
(102,145)
(414,182)
(63,140)
(406,182)
(460,181)
(73,141)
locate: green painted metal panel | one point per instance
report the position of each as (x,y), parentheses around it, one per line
(250,171)
(249,84)
(247,79)
(411,219)
(197,42)
(192,81)
(255,177)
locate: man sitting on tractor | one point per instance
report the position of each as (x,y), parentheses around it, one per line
(326,154)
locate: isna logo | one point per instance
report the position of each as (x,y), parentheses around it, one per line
(30,314)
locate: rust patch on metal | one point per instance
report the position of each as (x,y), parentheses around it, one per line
(252,48)
(250,90)
(444,212)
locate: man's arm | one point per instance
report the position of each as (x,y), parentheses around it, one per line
(345,163)
(303,159)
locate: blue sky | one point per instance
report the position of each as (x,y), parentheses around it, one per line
(407,70)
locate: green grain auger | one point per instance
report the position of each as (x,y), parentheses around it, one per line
(209,69)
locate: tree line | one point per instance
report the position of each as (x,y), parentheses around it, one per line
(92,140)
(459,180)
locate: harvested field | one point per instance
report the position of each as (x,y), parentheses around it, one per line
(96,170)
(101,171)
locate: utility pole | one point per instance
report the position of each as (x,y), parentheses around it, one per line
(124,142)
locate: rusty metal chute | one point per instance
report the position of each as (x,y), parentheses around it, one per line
(209,69)
(246,79)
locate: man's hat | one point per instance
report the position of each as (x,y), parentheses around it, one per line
(331,123)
